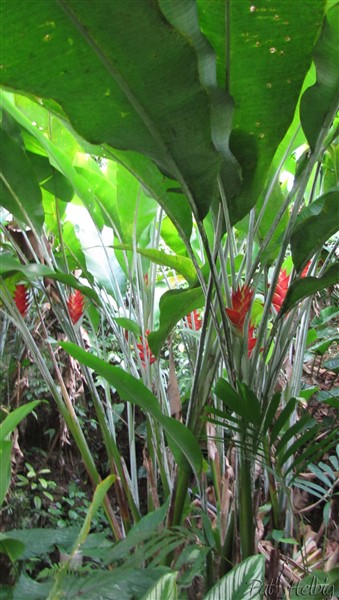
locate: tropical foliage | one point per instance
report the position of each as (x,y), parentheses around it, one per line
(169,210)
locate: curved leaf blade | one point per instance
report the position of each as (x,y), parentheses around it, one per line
(182,442)
(322,97)
(32,272)
(244,582)
(313,231)
(307,286)
(102,77)
(19,187)
(270,54)
(181,264)
(165,588)
(174,305)
(15,417)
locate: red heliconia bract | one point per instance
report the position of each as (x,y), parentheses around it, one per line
(241,303)
(280,290)
(75,305)
(21,299)
(196,323)
(145,351)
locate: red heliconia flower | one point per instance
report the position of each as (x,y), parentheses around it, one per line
(75,305)
(196,323)
(145,351)
(280,290)
(21,299)
(241,303)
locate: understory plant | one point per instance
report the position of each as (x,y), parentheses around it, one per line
(163,232)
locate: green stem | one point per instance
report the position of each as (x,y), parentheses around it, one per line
(246,517)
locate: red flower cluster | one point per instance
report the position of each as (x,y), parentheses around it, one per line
(280,290)
(144,351)
(75,305)
(282,287)
(241,302)
(196,322)
(21,299)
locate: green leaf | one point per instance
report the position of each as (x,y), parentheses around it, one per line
(322,97)
(244,582)
(51,179)
(282,419)
(165,588)
(121,583)
(312,232)
(129,325)
(159,187)
(98,498)
(19,189)
(321,347)
(38,541)
(181,440)
(15,417)
(101,61)
(318,585)
(251,403)
(13,548)
(273,206)
(184,16)
(270,54)
(174,305)
(32,272)
(231,398)
(181,264)
(332,364)
(5,467)
(278,536)
(307,286)
(28,589)
(325,315)
(136,209)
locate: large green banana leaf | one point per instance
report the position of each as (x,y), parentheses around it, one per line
(141,77)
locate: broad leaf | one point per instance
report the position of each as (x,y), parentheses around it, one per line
(307,286)
(128,325)
(32,272)
(322,98)
(102,76)
(163,189)
(19,188)
(318,585)
(15,417)
(98,498)
(50,179)
(312,230)
(13,548)
(181,264)
(165,588)
(182,442)
(40,541)
(174,305)
(238,402)
(268,58)
(5,467)
(244,582)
